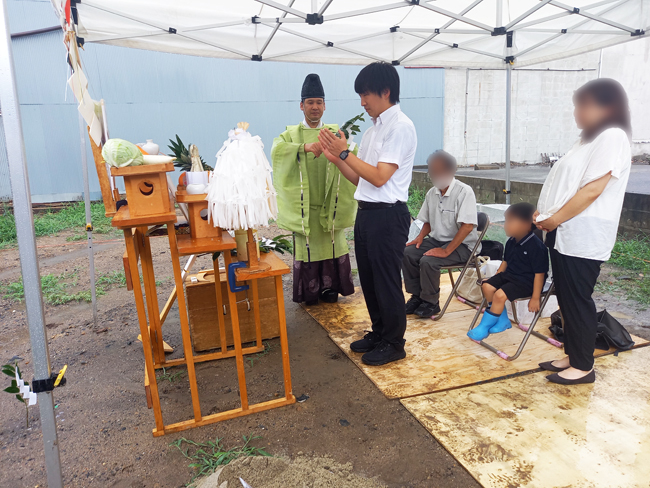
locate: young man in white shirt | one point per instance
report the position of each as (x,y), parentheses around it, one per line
(447,236)
(382,172)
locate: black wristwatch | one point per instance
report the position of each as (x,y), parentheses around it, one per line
(344,154)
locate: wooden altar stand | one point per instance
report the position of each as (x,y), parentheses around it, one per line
(269,265)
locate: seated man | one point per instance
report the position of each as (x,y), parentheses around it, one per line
(447,236)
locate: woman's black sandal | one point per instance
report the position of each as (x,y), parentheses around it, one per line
(548,366)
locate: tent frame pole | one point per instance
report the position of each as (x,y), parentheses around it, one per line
(27,247)
(89,226)
(508,117)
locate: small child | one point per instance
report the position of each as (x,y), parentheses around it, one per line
(521,274)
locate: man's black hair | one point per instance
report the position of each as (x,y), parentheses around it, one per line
(377,78)
(522,211)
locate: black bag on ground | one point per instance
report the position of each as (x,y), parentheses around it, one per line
(556,326)
(492,249)
(611,333)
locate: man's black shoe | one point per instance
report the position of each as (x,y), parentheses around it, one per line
(329,296)
(384,353)
(427,310)
(367,344)
(413,304)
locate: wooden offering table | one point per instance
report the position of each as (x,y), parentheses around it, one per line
(220,241)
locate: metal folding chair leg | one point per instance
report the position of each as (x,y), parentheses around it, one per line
(528,329)
(455,284)
(524,327)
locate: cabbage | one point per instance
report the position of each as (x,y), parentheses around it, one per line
(120,153)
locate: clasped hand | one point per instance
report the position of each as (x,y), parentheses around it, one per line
(548,225)
(314,148)
(331,145)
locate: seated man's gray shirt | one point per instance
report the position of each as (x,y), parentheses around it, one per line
(446,213)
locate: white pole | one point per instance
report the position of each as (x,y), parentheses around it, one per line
(27,248)
(508,114)
(89,226)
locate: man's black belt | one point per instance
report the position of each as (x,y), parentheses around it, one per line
(374,205)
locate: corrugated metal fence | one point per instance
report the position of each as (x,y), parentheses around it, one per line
(151,95)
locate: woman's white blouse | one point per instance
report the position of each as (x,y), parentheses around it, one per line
(592,233)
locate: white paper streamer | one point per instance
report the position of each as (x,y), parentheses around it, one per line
(241,194)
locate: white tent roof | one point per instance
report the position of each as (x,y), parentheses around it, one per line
(447,33)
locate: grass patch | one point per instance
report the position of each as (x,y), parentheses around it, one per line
(57,289)
(51,223)
(171,377)
(633,255)
(415,201)
(207,457)
(256,357)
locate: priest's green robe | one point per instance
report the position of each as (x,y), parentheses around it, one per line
(314,198)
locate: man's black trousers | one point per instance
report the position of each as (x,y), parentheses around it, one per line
(575,279)
(380,236)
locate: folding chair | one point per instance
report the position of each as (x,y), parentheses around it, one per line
(482,227)
(547,291)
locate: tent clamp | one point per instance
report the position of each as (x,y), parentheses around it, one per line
(499,31)
(330,44)
(395,62)
(394,28)
(313,19)
(638,32)
(436,30)
(576,10)
(255,19)
(415,2)
(454,45)
(172,30)
(48,384)
(256,57)
(564,31)
(509,59)
(506,192)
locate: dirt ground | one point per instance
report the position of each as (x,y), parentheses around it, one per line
(105,426)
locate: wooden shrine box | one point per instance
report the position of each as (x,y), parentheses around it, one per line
(197,210)
(146,188)
(202,306)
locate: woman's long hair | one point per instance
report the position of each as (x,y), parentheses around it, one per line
(606,93)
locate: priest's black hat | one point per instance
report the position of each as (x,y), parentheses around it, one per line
(312,87)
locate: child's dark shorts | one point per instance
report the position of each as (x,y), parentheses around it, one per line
(513,288)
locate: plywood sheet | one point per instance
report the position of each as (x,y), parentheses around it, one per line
(440,356)
(526,432)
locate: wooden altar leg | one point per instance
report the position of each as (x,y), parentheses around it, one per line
(239,357)
(256,312)
(151,295)
(221,320)
(185,327)
(144,332)
(284,341)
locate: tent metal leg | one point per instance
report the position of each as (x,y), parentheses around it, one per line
(508,116)
(27,247)
(89,231)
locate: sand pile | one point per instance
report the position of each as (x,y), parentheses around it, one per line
(276,472)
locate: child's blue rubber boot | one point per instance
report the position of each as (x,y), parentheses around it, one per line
(502,323)
(482,330)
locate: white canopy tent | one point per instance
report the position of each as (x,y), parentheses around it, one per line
(489,34)
(444,33)
(494,34)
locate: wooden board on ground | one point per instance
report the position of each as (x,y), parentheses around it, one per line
(527,432)
(440,356)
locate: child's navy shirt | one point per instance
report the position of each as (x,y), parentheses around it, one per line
(526,258)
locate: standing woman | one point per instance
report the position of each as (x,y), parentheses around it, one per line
(580,207)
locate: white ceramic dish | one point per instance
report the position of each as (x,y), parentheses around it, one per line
(157,159)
